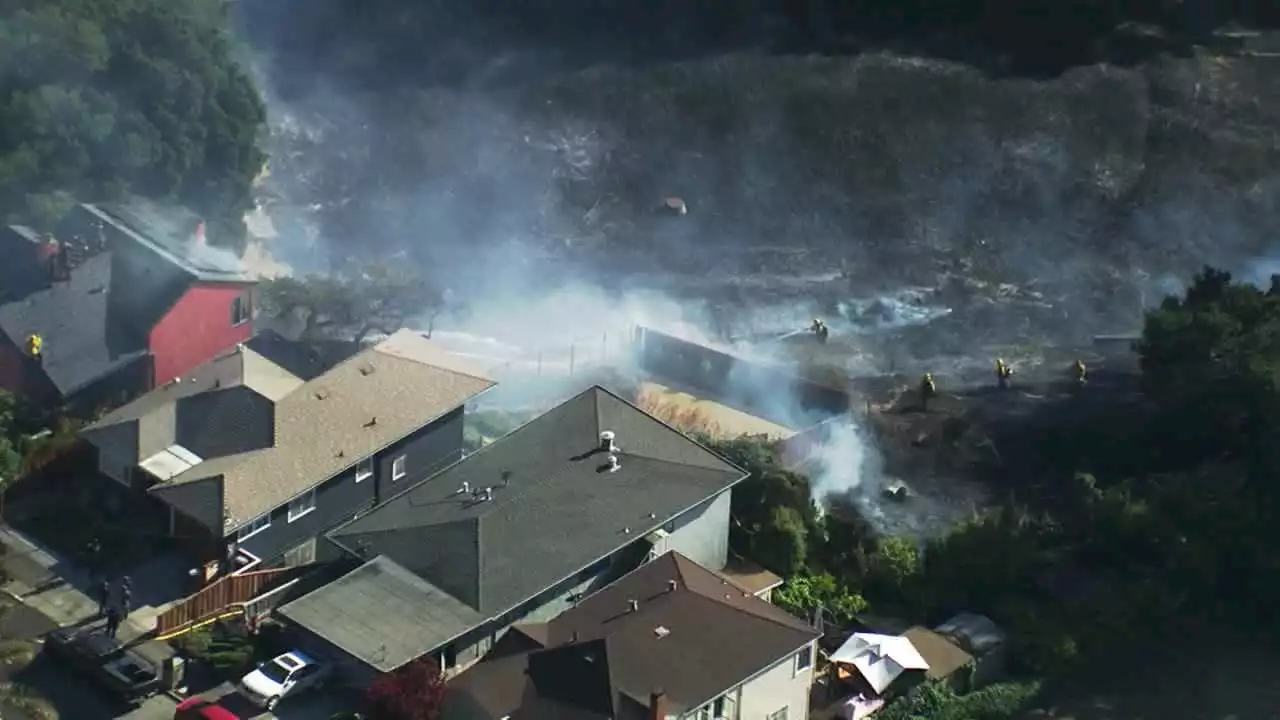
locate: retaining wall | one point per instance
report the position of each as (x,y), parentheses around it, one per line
(765,391)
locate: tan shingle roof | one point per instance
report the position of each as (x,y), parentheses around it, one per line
(323,426)
(154,412)
(326,425)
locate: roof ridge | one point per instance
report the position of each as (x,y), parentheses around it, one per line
(380,347)
(673,429)
(764,616)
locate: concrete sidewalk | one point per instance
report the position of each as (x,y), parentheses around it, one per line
(45,582)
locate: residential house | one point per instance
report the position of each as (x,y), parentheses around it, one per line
(669,640)
(518,531)
(252,462)
(982,640)
(870,668)
(123,297)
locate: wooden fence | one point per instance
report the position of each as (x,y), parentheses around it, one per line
(223,598)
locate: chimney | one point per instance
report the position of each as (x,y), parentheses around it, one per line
(633,605)
(606,441)
(614,465)
(658,705)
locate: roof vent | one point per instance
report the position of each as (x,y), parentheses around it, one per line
(322,393)
(661,632)
(239,347)
(672,585)
(486,495)
(217,383)
(372,421)
(464,488)
(606,441)
(633,605)
(366,370)
(613,463)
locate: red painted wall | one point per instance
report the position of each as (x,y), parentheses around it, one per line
(11,373)
(195,329)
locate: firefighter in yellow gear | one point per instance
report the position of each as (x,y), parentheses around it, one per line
(1003,373)
(1080,371)
(927,390)
(35,346)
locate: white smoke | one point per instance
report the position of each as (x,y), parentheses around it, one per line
(845,465)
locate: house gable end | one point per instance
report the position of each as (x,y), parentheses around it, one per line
(443,555)
(224,422)
(200,500)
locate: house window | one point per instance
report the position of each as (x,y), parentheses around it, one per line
(253,527)
(714,711)
(300,506)
(241,308)
(779,715)
(364,469)
(398,468)
(804,658)
(304,554)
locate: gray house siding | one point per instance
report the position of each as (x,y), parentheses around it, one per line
(337,500)
(701,533)
(200,500)
(426,453)
(341,498)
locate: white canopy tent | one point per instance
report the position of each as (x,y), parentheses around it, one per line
(880,659)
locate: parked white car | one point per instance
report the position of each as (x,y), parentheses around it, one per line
(287,675)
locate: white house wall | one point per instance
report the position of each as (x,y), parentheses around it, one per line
(778,687)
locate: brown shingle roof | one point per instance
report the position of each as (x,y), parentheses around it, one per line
(321,427)
(944,657)
(695,640)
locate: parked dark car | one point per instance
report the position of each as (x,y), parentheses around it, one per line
(124,672)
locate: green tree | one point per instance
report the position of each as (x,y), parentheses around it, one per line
(802,593)
(1211,360)
(366,300)
(774,520)
(99,98)
(892,568)
(10,457)
(938,701)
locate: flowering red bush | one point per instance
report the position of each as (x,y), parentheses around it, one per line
(413,692)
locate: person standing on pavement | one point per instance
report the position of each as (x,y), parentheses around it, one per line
(126,597)
(104,596)
(113,621)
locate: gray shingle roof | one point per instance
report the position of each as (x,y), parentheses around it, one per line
(71,317)
(714,636)
(554,511)
(382,614)
(321,427)
(168,232)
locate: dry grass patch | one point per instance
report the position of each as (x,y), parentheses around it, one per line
(687,419)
